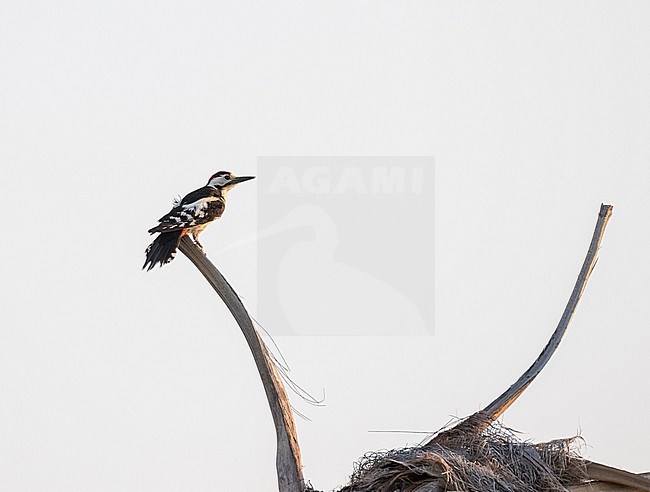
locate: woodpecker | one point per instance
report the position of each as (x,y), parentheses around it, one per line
(190,215)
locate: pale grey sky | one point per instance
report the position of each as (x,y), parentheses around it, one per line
(535,113)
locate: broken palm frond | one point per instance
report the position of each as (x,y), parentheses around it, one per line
(495,409)
(604,473)
(492,460)
(478,454)
(608,486)
(288,461)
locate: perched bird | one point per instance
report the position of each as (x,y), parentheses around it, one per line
(190,215)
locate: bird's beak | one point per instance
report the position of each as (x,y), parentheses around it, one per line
(241,179)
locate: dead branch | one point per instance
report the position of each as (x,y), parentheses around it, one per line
(610,475)
(481,454)
(483,418)
(288,462)
(500,404)
(609,487)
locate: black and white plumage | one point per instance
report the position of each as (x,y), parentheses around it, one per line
(190,215)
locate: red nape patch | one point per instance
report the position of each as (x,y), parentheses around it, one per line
(183,232)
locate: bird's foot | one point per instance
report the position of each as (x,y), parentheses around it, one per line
(200,246)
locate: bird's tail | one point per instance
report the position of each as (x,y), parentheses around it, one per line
(163,249)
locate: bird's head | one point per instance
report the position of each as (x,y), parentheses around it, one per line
(226,181)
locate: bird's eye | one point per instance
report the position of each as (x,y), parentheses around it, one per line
(227,177)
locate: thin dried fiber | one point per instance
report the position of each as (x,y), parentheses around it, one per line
(492,460)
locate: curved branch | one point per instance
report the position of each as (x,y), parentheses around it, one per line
(500,404)
(288,462)
(483,418)
(610,475)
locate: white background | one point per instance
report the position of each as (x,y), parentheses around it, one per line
(115,379)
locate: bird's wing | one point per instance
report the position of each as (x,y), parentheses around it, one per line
(199,207)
